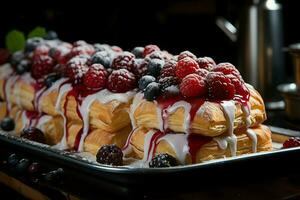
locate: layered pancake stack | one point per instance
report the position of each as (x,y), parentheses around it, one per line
(148,102)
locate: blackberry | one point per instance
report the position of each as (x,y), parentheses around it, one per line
(110,155)
(7,124)
(168,81)
(163,160)
(33,134)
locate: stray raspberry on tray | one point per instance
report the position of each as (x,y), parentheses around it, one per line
(291,142)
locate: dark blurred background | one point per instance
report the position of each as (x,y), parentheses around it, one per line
(174,25)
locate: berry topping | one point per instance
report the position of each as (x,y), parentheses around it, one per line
(80,43)
(185,54)
(149,49)
(76,68)
(155,55)
(163,160)
(152,91)
(51,35)
(123,61)
(101,47)
(41,66)
(32,43)
(155,66)
(34,168)
(22,67)
(240,87)
(101,57)
(117,49)
(82,50)
(41,50)
(185,67)
(121,80)
(110,155)
(139,67)
(95,77)
(33,134)
(138,52)
(145,81)
(168,81)
(22,166)
(170,91)
(220,87)
(193,85)
(202,72)
(16,58)
(4,56)
(227,68)
(206,63)
(12,160)
(50,79)
(168,69)
(7,124)
(291,142)
(60,53)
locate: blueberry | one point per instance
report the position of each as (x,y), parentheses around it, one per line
(22,67)
(110,155)
(22,166)
(138,52)
(163,160)
(50,79)
(155,66)
(101,47)
(101,57)
(51,35)
(32,43)
(12,160)
(33,134)
(152,91)
(7,124)
(16,58)
(145,80)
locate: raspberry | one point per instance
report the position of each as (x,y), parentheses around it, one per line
(60,53)
(41,50)
(291,142)
(41,66)
(219,86)
(76,68)
(123,61)
(227,68)
(185,54)
(163,160)
(139,67)
(82,50)
(193,85)
(116,49)
(202,72)
(110,155)
(168,69)
(206,63)
(185,67)
(95,77)
(121,80)
(149,49)
(240,87)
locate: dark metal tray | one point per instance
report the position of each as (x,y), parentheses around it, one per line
(85,177)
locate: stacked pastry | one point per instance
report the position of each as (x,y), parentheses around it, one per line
(147,102)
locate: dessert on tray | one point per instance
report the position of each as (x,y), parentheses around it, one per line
(145,107)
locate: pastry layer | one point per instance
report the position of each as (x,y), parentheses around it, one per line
(210,150)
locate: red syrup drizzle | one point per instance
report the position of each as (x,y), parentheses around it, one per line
(127,144)
(31,116)
(79,92)
(195,143)
(153,143)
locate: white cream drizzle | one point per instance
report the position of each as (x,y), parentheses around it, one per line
(225,141)
(252,135)
(137,100)
(148,152)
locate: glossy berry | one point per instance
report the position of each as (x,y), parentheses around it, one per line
(227,68)
(139,67)
(110,155)
(123,61)
(291,142)
(12,160)
(51,35)
(34,168)
(22,67)
(240,87)
(155,66)
(33,134)
(152,91)
(50,79)
(76,68)
(32,43)
(55,176)
(193,85)
(7,124)
(206,63)
(95,77)
(170,91)
(185,54)
(149,49)
(168,69)
(145,81)
(16,58)
(22,166)
(101,57)
(219,86)
(163,160)
(121,80)
(185,67)
(168,81)
(41,66)
(138,52)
